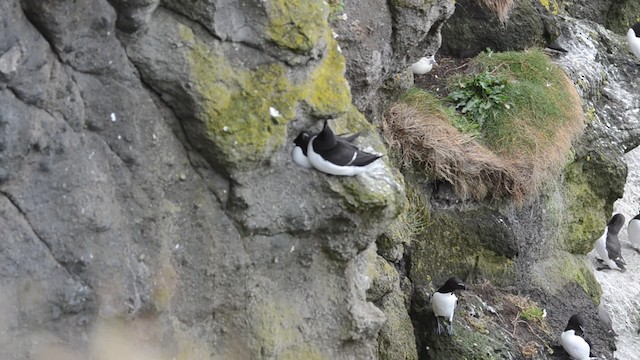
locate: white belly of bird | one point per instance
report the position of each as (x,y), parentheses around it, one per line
(443,304)
(601,249)
(300,158)
(325,166)
(601,246)
(574,345)
(634,233)
(634,43)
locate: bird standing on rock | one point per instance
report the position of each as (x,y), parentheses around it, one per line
(336,156)
(608,246)
(443,303)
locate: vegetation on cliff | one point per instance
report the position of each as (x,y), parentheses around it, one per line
(518,143)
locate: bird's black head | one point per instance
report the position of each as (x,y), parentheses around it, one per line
(636,29)
(576,324)
(451,285)
(302,140)
(615,224)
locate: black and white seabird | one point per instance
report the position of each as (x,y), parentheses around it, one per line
(633,38)
(424,65)
(443,303)
(299,152)
(608,245)
(572,339)
(336,156)
(633,229)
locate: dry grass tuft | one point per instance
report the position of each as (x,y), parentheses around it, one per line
(499,7)
(447,153)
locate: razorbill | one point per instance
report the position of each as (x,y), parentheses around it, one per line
(572,339)
(333,155)
(608,245)
(443,303)
(633,229)
(424,65)
(299,152)
(633,38)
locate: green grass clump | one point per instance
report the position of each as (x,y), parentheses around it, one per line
(518,115)
(542,102)
(532,314)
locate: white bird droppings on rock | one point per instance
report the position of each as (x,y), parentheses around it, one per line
(274,112)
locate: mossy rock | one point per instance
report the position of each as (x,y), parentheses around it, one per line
(622,15)
(396,340)
(245,112)
(591,186)
(556,272)
(475,244)
(296,25)
(473,28)
(384,279)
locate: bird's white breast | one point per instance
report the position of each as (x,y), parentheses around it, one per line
(634,232)
(574,345)
(601,246)
(634,42)
(300,158)
(443,304)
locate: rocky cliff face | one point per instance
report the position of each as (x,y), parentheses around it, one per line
(149,207)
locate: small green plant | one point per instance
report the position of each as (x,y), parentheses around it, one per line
(431,104)
(533,314)
(336,8)
(480,95)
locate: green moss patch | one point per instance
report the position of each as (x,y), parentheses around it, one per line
(396,340)
(471,245)
(554,273)
(586,211)
(246,112)
(296,25)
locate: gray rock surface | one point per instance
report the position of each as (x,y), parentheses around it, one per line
(473,28)
(380,40)
(132,228)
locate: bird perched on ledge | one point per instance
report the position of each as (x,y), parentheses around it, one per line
(608,246)
(337,156)
(633,38)
(443,303)
(299,152)
(424,65)
(572,339)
